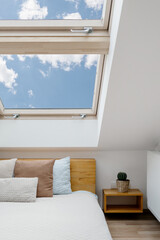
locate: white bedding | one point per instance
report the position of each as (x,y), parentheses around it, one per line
(74,216)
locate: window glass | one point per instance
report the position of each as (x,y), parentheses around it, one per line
(48,81)
(50,9)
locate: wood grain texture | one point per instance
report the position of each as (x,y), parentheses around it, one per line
(114,192)
(137,208)
(54,45)
(83,173)
(133,227)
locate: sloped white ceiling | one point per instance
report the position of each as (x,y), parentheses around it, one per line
(132,110)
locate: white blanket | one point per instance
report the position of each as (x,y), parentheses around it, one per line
(75,216)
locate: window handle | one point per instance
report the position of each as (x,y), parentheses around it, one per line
(14,116)
(81,116)
(84,30)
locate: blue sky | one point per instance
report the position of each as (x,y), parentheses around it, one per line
(48,81)
(51,9)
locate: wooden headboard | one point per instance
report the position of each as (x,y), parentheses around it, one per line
(83,173)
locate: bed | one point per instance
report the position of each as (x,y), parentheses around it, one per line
(75,216)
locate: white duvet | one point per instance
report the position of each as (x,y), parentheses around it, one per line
(75,216)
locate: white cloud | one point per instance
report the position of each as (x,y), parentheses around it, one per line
(31,106)
(65,62)
(30,93)
(70,1)
(43,73)
(21,57)
(7,76)
(76,2)
(95,4)
(31,9)
(58,16)
(91,60)
(75,15)
(8,56)
(13,91)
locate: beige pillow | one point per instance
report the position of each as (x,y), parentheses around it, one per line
(43,169)
(7,168)
(18,189)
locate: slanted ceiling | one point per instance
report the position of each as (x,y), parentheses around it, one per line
(132,111)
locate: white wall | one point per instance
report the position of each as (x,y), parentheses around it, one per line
(153,183)
(48,133)
(132,110)
(108,61)
(63,133)
(108,164)
(129,114)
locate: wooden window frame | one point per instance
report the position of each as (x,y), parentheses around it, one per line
(62,112)
(55,37)
(60,24)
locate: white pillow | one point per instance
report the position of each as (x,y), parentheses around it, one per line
(18,189)
(7,168)
(61,176)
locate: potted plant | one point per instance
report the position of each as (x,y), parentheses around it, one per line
(122,182)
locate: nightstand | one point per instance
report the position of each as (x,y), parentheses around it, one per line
(127,208)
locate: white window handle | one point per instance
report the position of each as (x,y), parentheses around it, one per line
(85,30)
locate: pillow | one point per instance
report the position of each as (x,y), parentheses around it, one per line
(7,168)
(43,169)
(18,189)
(61,176)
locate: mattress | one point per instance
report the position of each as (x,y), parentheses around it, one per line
(75,216)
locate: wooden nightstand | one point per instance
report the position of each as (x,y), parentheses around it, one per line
(136,208)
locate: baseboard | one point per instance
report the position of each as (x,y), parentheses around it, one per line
(154,213)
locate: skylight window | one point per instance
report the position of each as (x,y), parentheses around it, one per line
(52,56)
(48,81)
(51,9)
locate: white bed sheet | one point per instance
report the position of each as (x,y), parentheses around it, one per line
(75,216)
